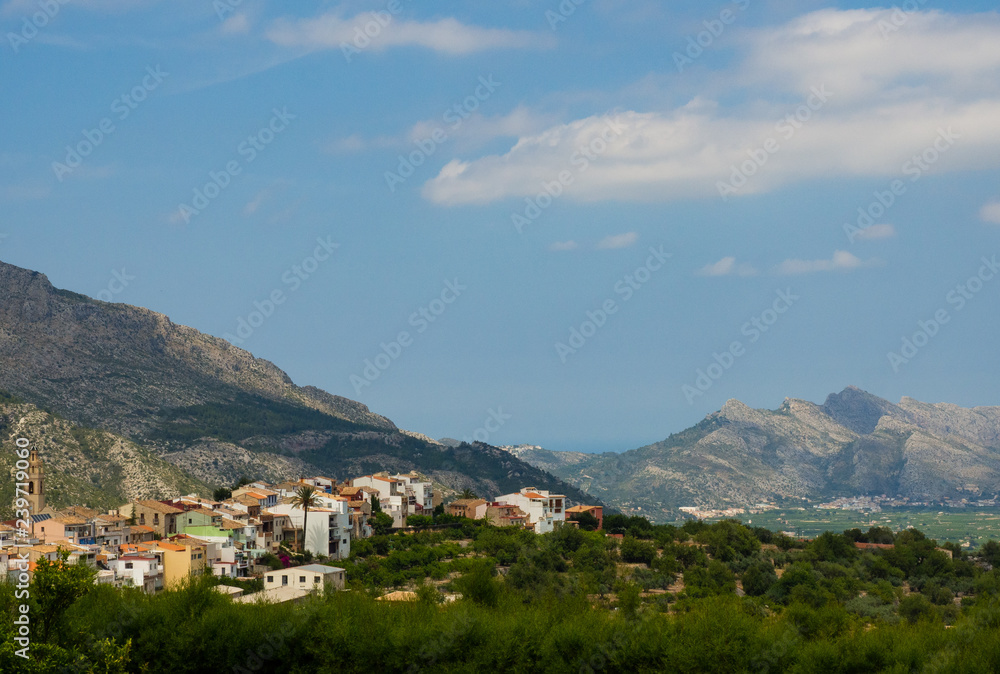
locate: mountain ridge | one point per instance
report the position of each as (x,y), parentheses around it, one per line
(854,444)
(200,405)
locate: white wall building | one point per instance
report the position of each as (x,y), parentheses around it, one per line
(329,533)
(391,496)
(139,570)
(419,495)
(546,512)
(311,577)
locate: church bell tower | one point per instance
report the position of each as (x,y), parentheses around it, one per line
(36,484)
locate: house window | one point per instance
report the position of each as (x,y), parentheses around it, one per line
(302,580)
(142,518)
(156,519)
(315,579)
(189,520)
(270,579)
(128,565)
(284,580)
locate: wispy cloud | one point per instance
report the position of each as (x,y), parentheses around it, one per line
(563,245)
(841,261)
(263,195)
(727,266)
(237,24)
(887,101)
(990,212)
(447,36)
(874,232)
(617,241)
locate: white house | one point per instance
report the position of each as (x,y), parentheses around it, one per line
(139,570)
(311,577)
(419,495)
(329,533)
(546,512)
(391,496)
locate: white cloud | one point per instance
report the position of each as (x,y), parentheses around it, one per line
(563,245)
(448,35)
(477,129)
(841,261)
(236,24)
(727,266)
(617,241)
(252,206)
(991,212)
(873,232)
(885,106)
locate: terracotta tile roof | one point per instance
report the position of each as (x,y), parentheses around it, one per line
(205,511)
(81,511)
(45,549)
(159,507)
(142,528)
(533,495)
(70,519)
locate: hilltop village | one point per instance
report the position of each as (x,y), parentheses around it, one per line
(254,532)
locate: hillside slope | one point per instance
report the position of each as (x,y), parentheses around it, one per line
(205,406)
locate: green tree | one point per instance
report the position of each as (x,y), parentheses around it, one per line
(479,585)
(915,608)
(381,523)
(758,578)
(55,586)
(587,521)
(305,498)
(467,494)
(990,553)
(635,551)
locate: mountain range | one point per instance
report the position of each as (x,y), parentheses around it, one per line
(123,403)
(854,444)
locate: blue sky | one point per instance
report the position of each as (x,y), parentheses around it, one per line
(594,221)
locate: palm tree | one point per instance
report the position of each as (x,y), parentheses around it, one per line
(305,498)
(467,494)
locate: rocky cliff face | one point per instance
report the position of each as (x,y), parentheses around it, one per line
(119,366)
(854,444)
(171,408)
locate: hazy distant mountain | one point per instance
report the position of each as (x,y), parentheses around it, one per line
(198,403)
(854,444)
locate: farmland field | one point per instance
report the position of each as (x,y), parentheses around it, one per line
(960,525)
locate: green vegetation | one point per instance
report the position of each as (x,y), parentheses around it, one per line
(9,398)
(974,525)
(244,416)
(697,598)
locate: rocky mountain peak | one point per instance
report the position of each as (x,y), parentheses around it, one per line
(858,410)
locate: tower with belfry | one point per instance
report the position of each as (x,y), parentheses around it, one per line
(36,483)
